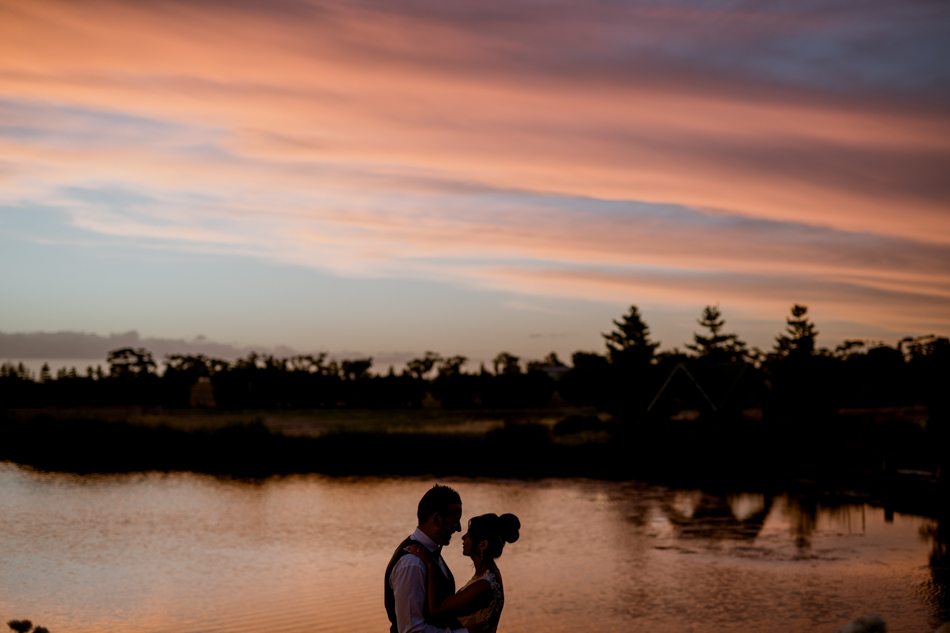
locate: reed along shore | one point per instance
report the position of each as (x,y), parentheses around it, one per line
(854,453)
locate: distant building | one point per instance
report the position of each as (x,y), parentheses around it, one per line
(555,373)
(202,394)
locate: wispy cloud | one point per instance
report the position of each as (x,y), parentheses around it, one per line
(760,152)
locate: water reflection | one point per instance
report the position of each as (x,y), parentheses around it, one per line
(714,517)
(182,552)
(937,590)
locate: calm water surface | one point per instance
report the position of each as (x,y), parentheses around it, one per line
(188,553)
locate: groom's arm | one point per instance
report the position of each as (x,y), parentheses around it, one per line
(408,581)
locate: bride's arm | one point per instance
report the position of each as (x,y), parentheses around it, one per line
(469,600)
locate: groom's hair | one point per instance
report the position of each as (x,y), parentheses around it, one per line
(437,501)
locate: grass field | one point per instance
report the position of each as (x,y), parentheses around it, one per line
(314,422)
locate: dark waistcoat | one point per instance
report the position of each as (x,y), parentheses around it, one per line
(435,620)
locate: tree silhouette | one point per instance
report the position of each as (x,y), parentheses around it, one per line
(588,380)
(923,346)
(419,367)
(18,371)
(717,347)
(307,363)
(551,360)
(24,626)
(127,362)
(802,380)
(799,337)
(506,364)
(356,369)
(247,363)
(589,361)
(196,365)
(452,366)
(629,344)
(850,349)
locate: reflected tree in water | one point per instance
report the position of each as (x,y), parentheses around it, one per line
(802,513)
(938,533)
(714,518)
(24,626)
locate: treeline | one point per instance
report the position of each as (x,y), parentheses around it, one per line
(269,382)
(718,371)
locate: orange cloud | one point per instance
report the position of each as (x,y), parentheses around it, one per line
(448,142)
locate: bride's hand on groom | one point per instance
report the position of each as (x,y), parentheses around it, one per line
(421,552)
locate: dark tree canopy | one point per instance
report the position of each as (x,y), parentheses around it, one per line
(629,344)
(452,366)
(419,367)
(199,364)
(507,364)
(551,360)
(794,381)
(309,363)
(127,362)
(717,347)
(356,369)
(799,336)
(850,349)
(589,361)
(924,346)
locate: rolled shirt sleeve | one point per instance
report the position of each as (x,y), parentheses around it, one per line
(408,581)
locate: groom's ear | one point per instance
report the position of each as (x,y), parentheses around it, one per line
(437,519)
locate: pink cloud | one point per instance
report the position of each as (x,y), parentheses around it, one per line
(356,138)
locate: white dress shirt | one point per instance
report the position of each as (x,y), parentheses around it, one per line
(410,585)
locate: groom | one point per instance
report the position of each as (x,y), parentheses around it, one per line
(440,515)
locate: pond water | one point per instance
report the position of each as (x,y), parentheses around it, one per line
(187,553)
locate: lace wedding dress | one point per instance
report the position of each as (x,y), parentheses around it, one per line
(486,620)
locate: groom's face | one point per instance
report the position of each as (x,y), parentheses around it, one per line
(450,524)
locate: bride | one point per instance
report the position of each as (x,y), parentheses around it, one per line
(478,604)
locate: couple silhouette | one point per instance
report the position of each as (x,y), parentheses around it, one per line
(420,589)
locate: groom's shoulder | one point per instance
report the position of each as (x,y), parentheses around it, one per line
(402,546)
(408,560)
(405,559)
(400,552)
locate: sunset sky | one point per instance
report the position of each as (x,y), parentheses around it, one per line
(390,177)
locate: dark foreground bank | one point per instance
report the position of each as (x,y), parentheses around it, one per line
(850,453)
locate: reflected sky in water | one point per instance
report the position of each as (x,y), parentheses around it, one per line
(183,552)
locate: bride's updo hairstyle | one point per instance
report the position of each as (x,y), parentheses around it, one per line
(497,530)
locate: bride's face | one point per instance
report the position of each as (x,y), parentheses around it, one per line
(469,547)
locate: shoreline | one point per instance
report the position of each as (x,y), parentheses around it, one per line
(527,444)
